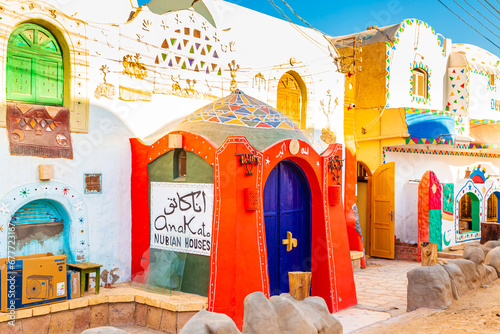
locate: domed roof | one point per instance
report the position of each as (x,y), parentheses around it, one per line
(241,115)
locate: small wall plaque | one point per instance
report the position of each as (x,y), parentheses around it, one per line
(174,141)
(45,172)
(92,183)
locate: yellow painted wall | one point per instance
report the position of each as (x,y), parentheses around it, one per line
(370,82)
(370,117)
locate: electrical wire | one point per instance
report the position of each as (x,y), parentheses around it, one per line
(475,18)
(489,10)
(482,14)
(492,6)
(282,13)
(310,26)
(489,40)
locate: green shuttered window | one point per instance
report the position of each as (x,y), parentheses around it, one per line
(34,66)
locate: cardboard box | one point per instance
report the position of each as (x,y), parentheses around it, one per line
(73,284)
(32,280)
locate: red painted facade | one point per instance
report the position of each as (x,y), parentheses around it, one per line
(238,260)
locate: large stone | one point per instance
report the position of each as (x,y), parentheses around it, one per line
(122,314)
(458,284)
(487,274)
(10,328)
(169,322)
(469,270)
(291,319)
(474,254)
(489,246)
(260,316)
(141,314)
(82,320)
(429,287)
(317,312)
(61,322)
(493,259)
(104,330)
(154,317)
(36,325)
(99,315)
(205,322)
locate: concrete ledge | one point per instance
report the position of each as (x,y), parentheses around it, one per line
(180,306)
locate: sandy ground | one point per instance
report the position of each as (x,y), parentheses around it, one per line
(476,312)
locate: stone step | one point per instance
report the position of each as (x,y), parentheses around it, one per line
(450,255)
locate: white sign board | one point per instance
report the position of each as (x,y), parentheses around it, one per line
(181,217)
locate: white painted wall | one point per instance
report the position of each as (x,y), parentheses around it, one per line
(411,166)
(417,43)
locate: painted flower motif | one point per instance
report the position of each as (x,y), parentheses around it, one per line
(25,192)
(82,242)
(65,190)
(81,220)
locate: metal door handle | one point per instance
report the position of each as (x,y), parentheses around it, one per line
(392,215)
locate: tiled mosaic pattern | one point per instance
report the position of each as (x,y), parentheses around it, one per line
(242,110)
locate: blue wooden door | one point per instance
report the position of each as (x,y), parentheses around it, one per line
(287,208)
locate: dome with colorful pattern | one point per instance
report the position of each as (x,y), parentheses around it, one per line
(241,115)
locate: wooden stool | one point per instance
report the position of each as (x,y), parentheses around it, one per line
(85,268)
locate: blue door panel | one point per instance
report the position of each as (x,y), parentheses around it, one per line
(287,186)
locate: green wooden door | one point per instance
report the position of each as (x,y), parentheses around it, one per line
(34,66)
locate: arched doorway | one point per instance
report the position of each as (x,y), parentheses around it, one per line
(287,214)
(468,218)
(363,198)
(291,99)
(40,226)
(492,208)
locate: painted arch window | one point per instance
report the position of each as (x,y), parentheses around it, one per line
(420,83)
(291,99)
(34,66)
(180,165)
(492,209)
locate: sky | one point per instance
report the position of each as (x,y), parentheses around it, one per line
(337,18)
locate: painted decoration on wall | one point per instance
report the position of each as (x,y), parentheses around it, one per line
(478,174)
(393,149)
(181,217)
(70,204)
(243,110)
(40,131)
(448,199)
(429,209)
(473,232)
(458,91)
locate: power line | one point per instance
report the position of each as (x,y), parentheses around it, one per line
(280,11)
(492,6)
(482,14)
(309,25)
(489,10)
(489,40)
(475,18)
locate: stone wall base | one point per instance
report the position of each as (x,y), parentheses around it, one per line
(107,314)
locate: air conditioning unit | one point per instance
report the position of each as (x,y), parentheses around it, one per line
(39,287)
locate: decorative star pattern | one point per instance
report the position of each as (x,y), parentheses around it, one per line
(4,208)
(78,206)
(46,189)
